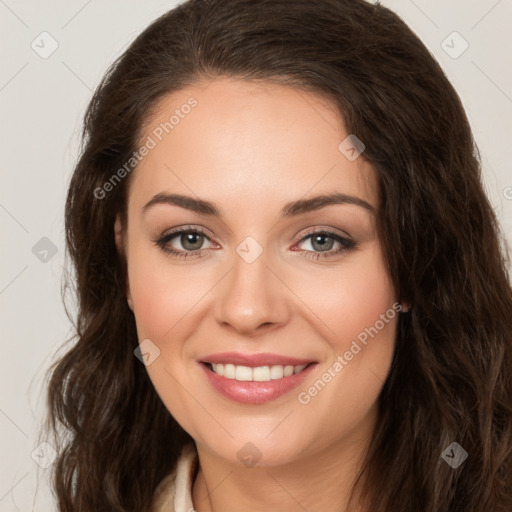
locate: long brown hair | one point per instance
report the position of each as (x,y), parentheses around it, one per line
(451,378)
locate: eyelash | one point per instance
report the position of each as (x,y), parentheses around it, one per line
(347,244)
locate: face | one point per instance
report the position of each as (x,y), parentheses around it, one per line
(267,316)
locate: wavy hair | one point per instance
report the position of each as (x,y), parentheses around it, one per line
(451,377)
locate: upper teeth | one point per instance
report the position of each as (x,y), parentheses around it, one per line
(258,374)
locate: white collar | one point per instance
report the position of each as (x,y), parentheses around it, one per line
(185,470)
(174,493)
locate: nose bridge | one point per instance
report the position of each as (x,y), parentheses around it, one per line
(251,295)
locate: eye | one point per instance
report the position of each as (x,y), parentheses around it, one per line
(323,241)
(191,239)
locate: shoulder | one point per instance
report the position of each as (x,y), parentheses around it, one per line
(174,492)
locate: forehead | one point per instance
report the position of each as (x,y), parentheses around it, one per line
(244,144)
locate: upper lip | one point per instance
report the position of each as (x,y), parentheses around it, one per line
(254,360)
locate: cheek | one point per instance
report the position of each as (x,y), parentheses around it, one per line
(357,304)
(164,299)
(162,294)
(348,298)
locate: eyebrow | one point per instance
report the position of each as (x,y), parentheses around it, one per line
(291,209)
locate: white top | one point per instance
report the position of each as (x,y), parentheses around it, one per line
(174,492)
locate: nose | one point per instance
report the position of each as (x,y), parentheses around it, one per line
(253,298)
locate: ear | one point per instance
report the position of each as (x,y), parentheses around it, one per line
(118,231)
(120,245)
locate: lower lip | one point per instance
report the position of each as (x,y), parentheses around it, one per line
(250,392)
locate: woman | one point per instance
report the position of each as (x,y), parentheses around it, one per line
(292,290)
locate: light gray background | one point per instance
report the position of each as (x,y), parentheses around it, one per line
(42,102)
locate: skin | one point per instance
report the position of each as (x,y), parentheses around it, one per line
(250,149)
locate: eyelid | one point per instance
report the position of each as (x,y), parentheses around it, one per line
(185,228)
(325,229)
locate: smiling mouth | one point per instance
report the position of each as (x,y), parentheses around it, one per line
(255,374)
